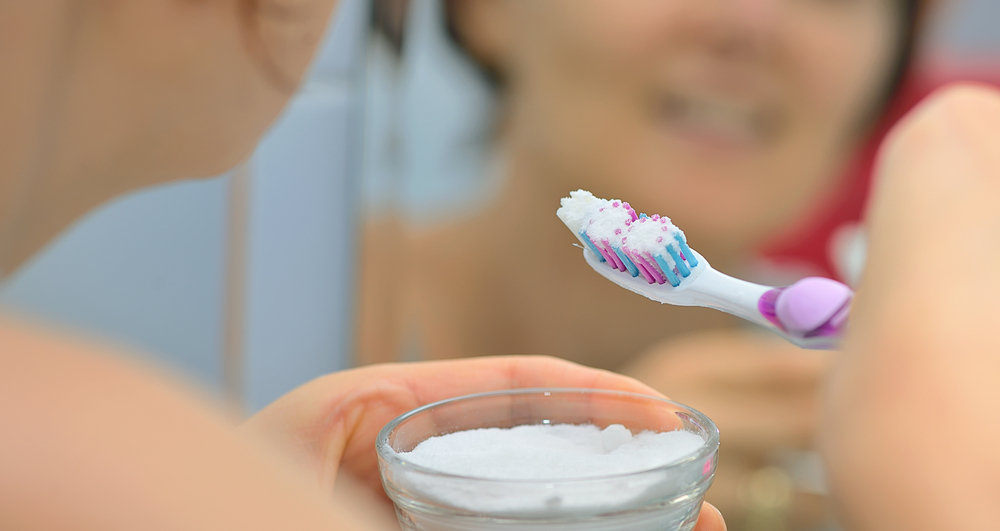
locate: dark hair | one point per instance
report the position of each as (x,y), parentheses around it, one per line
(912,12)
(388,18)
(490,72)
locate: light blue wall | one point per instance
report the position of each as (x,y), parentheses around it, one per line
(967,27)
(305,178)
(145,270)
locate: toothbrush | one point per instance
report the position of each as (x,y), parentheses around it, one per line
(650,256)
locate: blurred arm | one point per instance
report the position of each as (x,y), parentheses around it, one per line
(91,442)
(910,428)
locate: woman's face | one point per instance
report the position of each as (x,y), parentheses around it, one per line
(731,116)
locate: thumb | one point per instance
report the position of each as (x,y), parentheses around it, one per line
(710,519)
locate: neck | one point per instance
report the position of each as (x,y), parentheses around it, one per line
(37,207)
(30,105)
(55,163)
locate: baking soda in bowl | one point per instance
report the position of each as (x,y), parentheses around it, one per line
(546,452)
(549,460)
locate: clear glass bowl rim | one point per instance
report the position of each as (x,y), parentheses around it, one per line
(392,458)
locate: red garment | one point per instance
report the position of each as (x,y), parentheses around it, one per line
(809,244)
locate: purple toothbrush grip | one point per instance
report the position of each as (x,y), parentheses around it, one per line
(811,307)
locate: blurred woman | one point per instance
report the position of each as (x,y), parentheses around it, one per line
(733,118)
(100,98)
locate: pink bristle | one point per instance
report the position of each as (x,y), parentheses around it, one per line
(647,275)
(604,254)
(608,257)
(615,204)
(659,278)
(656,217)
(642,269)
(619,265)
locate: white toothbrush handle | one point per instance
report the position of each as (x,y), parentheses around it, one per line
(713,289)
(745,299)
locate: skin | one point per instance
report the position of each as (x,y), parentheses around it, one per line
(907,429)
(94,442)
(102,97)
(585,88)
(762,392)
(124,94)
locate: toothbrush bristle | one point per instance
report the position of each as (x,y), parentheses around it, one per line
(685,250)
(644,249)
(649,272)
(669,266)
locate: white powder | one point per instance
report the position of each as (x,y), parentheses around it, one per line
(577,209)
(650,236)
(562,451)
(608,219)
(609,224)
(530,461)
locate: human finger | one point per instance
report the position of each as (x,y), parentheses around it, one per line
(710,519)
(335,419)
(760,391)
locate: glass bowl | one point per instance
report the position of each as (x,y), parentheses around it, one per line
(662,498)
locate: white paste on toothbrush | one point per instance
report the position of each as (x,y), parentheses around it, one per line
(650,236)
(609,223)
(577,209)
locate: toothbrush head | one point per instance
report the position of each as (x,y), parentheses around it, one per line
(644,246)
(650,256)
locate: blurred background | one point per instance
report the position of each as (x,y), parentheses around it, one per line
(402,207)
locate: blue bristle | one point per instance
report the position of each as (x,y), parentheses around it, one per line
(682,268)
(686,250)
(586,239)
(667,270)
(643,216)
(627,261)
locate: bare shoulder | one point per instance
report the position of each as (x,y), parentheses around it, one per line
(91,440)
(56,376)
